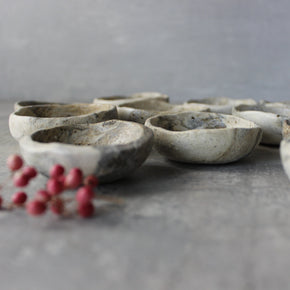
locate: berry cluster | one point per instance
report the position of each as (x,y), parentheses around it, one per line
(51,197)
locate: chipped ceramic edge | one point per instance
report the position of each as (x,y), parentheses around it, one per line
(122,100)
(108,162)
(265,116)
(221,105)
(142,110)
(22,104)
(208,146)
(20,125)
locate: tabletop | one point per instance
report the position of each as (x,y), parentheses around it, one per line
(181,226)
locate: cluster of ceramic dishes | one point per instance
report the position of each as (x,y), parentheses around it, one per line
(114,135)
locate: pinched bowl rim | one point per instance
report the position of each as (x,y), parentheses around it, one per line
(237,120)
(119,100)
(87,156)
(25,120)
(218,138)
(222,105)
(28,103)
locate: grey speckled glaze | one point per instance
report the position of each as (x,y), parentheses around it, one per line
(285,147)
(110,150)
(222,105)
(118,100)
(200,137)
(269,116)
(30,119)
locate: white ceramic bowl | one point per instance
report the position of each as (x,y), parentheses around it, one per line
(201,137)
(122,100)
(110,150)
(140,111)
(30,119)
(269,116)
(221,104)
(22,104)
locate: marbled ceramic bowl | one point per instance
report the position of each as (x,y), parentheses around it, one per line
(142,110)
(123,100)
(30,119)
(110,150)
(201,137)
(269,116)
(221,104)
(22,104)
(285,147)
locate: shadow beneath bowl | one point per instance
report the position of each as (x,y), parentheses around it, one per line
(260,156)
(147,180)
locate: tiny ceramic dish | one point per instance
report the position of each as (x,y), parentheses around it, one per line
(30,119)
(201,137)
(285,147)
(123,100)
(22,104)
(110,150)
(269,116)
(142,110)
(221,105)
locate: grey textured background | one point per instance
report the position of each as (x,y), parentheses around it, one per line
(79,49)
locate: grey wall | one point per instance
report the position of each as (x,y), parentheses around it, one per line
(79,49)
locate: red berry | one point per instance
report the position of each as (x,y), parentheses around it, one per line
(84,194)
(20,180)
(91,180)
(54,186)
(36,207)
(29,171)
(61,178)
(1,200)
(74,178)
(56,170)
(14,162)
(57,206)
(43,195)
(19,198)
(86,210)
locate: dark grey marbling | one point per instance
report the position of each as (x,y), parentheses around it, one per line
(55,50)
(182,227)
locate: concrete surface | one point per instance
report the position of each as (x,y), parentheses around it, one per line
(182,227)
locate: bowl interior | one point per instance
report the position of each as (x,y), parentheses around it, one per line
(114,98)
(107,133)
(34,103)
(150,105)
(211,101)
(192,121)
(54,111)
